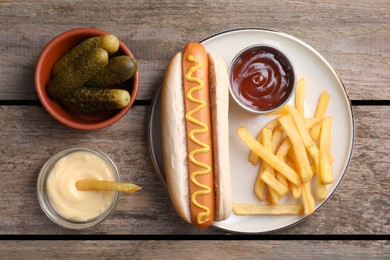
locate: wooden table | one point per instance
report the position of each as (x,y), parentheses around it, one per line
(352,35)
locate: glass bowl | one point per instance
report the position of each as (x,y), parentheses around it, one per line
(50,210)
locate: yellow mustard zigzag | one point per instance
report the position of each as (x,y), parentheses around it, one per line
(202,216)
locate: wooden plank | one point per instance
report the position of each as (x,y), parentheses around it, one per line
(30,136)
(351,35)
(196,249)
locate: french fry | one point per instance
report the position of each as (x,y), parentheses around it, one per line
(296,190)
(281,179)
(325,172)
(322,106)
(284,148)
(260,186)
(281,153)
(273,123)
(313,166)
(266,138)
(322,191)
(315,155)
(273,197)
(254,158)
(277,139)
(302,159)
(267,143)
(307,197)
(300,126)
(311,121)
(305,135)
(268,156)
(291,159)
(100,185)
(272,182)
(300,96)
(250,209)
(280,112)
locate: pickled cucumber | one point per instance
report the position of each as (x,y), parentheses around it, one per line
(107,42)
(78,73)
(89,100)
(118,70)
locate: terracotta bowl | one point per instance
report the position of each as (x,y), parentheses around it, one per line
(53,51)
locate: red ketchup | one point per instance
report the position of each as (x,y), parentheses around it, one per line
(262,78)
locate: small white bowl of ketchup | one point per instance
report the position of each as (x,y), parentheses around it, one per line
(261,78)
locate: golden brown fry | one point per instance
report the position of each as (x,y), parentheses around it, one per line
(280,111)
(283,148)
(272,182)
(302,159)
(260,186)
(300,96)
(273,197)
(325,172)
(281,152)
(300,126)
(315,155)
(99,185)
(277,139)
(267,143)
(313,167)
(322,191)
(296,191)
(273,123)
(268,157)
(250,209)
(320,113)
(311,121)
(305,135)
(308,200)
(282,179)
(267,130)
(254,158)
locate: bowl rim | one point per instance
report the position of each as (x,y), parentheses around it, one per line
(292,72)
(41,91)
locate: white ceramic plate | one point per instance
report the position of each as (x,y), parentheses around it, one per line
(319,76)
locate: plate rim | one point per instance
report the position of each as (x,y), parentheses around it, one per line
(346,96)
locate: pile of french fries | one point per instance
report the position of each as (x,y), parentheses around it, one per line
(291,149)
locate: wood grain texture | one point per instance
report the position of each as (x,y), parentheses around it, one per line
(351,35)
(190,249)
(30,136)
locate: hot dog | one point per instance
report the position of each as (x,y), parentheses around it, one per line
(194,115)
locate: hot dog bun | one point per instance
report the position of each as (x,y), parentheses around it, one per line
(219,99)
(174,141)
(173,131)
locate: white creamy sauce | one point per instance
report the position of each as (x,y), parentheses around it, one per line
(63,194)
